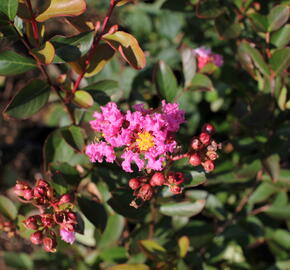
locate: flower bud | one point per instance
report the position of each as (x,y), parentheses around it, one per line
(36,238)
(65,198)
(212,155)
(49,244)
(71,217)
(134,183)
(195,159)
(145,192)
(196,144)
(47,220)
(28,194)
(204,138)
(208,128)
(32,222)
(20,187)
(157,179)
(208,165)
(175,189)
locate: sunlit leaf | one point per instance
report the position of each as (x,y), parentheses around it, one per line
(45,54)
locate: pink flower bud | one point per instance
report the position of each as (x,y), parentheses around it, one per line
(28,194)
(212,155)
(65,198)
(71,217)
(204,138)
(175,189)
(67,236)
(32,222)
(208,128)
(49,244)
(195,159)
(134,183)
(196,144)
(145,192)
(36,238)
(157,179)
(208,165)
(20,187)
(47,220)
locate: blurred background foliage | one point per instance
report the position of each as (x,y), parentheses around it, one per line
(239,216)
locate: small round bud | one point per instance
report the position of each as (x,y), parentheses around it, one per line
(208,165)
(28,194)
(134,183)
(32,222)
(208,128)
(157,179)
(47,220)
(36,238)
(212,155)
(204,138)
(49,244)
(145,192)
(195,159)
(20,187)
(65,198)
(175,189)
(196,144)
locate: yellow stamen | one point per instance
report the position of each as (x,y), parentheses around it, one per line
(145,141)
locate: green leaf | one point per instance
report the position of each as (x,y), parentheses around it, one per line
(44,54)
(183,244)
(29,100)
(282,37)
(227,28)
(129,267)
(88,206)
(113,231)
(281,237)
(282,98)
(209,9)
(69,173)
(83,99)
(256,57)
(262,193)
(114,254)
(165,81)
(197,178)
(74,136)
(277,17)
(280,60)
(152,249)
(9,7)
(201,82)
(272,166)
(69,49)
(186,209)
(102,85)
(7,208)
(18,260)
(259,21)
(278,212)
(188,65)
(12,63)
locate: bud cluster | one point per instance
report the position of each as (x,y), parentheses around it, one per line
(144,186)
(55,214)
(203,149)
(7,227)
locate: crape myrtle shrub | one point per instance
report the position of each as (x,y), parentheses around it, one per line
(144,134)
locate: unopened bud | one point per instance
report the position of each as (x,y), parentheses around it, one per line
(208,165)
(65,198)
(47,220)
(134,183)
(49,244)
(145,192)
(20,187)
(175,189)
(36,238)
(71,217)
(28,194)
(208,128)
(195,159)
(157,179)
(196,144)
(212,155)
(204,138)
(32,222)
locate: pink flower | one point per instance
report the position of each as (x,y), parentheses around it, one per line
(206,56)
(96,152)
(67,236)
(130,156)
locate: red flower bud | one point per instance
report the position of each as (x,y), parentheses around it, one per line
(49,244)
(36,238)
(208,128)
(196,144)
(47,220)
(145,192)
(20,187)
(32,222)
(208,165)
(28,194)
(65,198)
(157,179)
(134,183)
(42,183)
(71,217)
(204,138)
(195,159)
(212,155)
(175,189)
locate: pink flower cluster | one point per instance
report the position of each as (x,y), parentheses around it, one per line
(205,56)
(145,136)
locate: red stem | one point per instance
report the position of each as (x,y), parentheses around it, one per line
(95,43)
(33,22)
